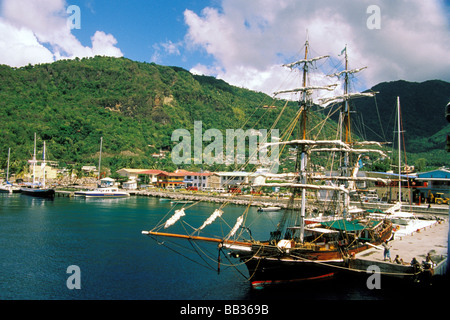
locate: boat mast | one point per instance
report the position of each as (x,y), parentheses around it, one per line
(34,161)
(304,156)
(7,167)
(399,154)
(346,119)
(345,122)
(302,152)
(43,167)
(100,159)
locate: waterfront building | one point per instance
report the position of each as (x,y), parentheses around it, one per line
(131,174)
(170,180)
(428,184)
(152,175)
(196,180)
(226,180)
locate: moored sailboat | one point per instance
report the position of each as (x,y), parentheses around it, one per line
(38,190)
(8,187)
(405,223)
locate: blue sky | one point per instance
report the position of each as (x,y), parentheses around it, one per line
(243,42)
(141,26)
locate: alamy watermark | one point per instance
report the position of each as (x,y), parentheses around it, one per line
(374,20)
(74,280)
(236,149)
(74,20)
(374,280)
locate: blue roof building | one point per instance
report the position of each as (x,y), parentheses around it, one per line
(434,181)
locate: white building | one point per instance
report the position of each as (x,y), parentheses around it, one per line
(225,180)
(199,180)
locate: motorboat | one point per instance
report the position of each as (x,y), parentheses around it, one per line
(110,192)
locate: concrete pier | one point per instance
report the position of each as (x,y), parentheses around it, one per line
(432,239)
(62,193)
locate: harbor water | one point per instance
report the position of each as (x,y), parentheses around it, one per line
(40,239)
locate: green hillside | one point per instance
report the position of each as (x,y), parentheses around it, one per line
(136,107)
(422,111)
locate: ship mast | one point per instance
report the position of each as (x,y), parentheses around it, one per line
(399,154)
(344,119)
(345,114)
(304,156)
(302,151)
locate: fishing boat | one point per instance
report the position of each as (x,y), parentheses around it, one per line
(296,251)
(38,190)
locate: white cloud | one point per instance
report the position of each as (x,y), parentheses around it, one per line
(104,45)
(250,39)
(19,47)
(163,49)
(37,32)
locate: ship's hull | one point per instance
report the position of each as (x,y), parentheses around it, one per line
(268,265)
(39,193)
(272,271)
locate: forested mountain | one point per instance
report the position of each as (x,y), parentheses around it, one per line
(136,107)
(422,113)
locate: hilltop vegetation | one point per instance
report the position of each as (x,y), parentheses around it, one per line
(422,113)
(136,107)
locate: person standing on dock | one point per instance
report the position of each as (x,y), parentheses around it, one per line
(387,252)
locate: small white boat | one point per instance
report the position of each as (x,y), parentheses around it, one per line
(106,193)
(181,202)
(9,188)
(268,209)
(405,223)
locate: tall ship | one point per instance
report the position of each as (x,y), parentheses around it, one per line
(313,239)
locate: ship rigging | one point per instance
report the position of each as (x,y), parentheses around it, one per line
(300,248)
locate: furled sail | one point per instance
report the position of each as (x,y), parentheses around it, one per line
(347,96)
(380,152)
(338,74)
(239,221)
(217,213)
(329,88)
(178,214)
(293,64)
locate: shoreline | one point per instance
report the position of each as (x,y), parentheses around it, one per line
(230,198)
(264,201)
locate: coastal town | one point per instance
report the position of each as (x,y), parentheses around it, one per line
(423,189)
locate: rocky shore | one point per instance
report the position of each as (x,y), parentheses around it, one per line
(264,201)
(257,201)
